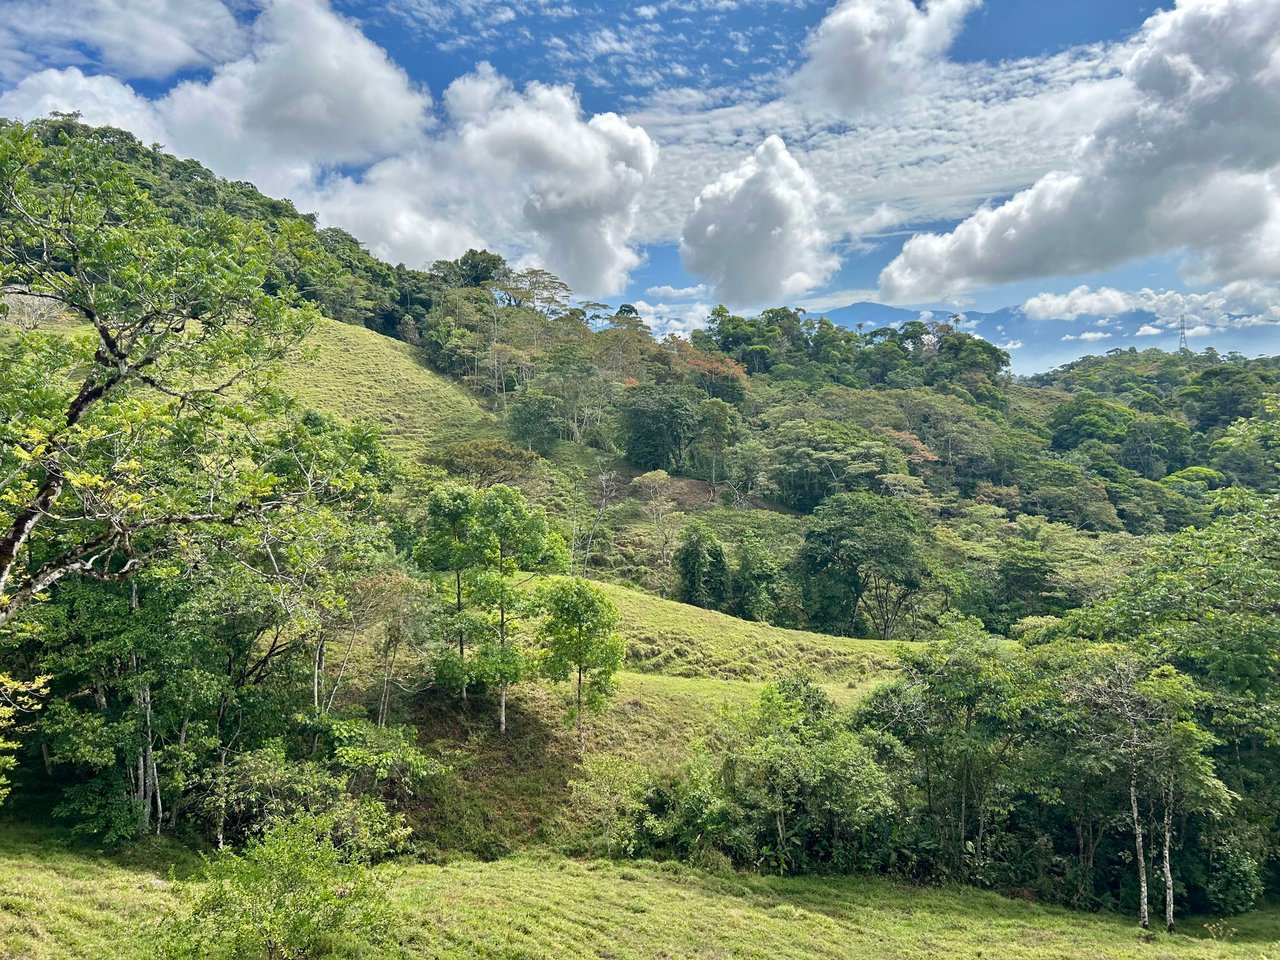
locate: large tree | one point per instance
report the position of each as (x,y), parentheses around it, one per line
(153,411)
(862,555)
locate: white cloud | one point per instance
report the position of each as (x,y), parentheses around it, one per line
(132,38)
(1148,330)
(1082,301)
(668,292)
(313,92)
(1011,345)
(101,100)
(665,318)
(1089,336)
(1192,160)
(523,169)
(865,52)
(524,172)
(757,232)
(1238,304)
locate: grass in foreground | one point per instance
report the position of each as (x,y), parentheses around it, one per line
(61,902)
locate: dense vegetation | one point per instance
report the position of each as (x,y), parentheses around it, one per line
(256,600)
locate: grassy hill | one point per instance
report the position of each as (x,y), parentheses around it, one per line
(683,641)
(356,373)
(684,666)
(66,902)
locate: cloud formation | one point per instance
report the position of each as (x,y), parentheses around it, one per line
(867,52)
(132,38)
(312,92)
(757,233)
(521,167)
(1191,161)
(1239,304)
(521,171)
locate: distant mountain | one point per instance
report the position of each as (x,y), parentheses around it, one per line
(1038,345)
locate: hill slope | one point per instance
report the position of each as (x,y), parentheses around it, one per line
(358,374)
(679,640)
(64,902)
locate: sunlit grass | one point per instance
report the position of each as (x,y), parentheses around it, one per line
(66,903)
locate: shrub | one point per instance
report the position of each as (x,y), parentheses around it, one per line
(293,894)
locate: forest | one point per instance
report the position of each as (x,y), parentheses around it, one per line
(779,600)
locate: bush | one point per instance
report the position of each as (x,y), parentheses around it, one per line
(1234,883)
(294,894)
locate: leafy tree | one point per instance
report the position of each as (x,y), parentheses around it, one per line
(579,633)
(533,418)
(16,697)
(448,545)
(717,423)
(1085,417)
(109,439)
(482,463)
(862,555)
(964,706)
(510,536)
(658,425)
(756,580)
(1144,716)
(810,461)
(702,571)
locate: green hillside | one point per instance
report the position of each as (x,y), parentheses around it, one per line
(357,374)
(69,903)
(230,624)
(684,641)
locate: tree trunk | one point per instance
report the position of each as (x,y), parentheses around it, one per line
(222,798)
(502,641)
(462,639)
(1144,918)
(1168,868)
(182,742)
(317,669)
(582,734)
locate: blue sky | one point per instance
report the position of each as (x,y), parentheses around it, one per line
(1107,165)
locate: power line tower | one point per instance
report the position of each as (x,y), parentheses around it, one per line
(1182,337)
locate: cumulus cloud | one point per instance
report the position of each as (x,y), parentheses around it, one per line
(1237,304)
(757,233)
(311,93)
(865,52)
(665,318)
(132,38)
(525,169)
(314,92)
(101,100)
(1082,301)
(1192,161)
(1088,336)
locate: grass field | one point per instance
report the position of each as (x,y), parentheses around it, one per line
(61,902)
(359,374)
(683,641)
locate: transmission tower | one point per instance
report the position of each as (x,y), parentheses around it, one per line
(1182,337)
